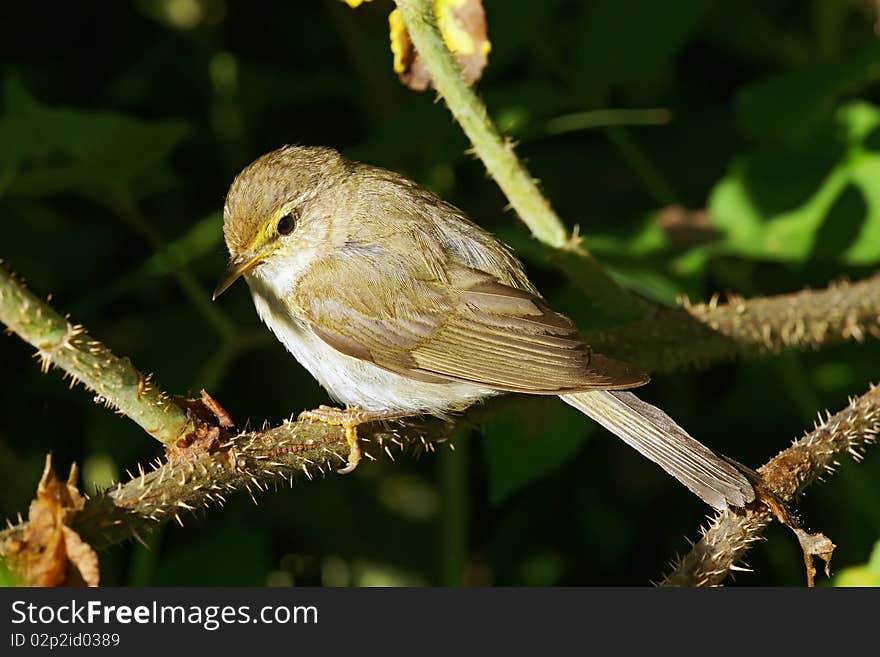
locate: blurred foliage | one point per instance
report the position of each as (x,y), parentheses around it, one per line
(57,150)
(122,126)
(865,575)
(817,200)
(518,444)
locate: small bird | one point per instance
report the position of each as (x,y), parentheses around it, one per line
(400,305)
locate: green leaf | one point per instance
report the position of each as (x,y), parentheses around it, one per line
(6,578)
(52,150)
(865,575)
(645,262)
(532,440)
(815,202)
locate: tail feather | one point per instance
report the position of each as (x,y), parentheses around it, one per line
(656,436)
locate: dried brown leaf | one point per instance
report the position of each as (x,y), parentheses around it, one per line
(210,427)
(50,553)
(463,26)
(82,560)
(817,545)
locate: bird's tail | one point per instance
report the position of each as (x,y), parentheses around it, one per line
(711,477)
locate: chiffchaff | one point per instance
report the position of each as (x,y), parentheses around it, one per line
(398,305)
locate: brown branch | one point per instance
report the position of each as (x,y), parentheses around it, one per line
(726,540)
(252,461)
(697,335)
(201,474)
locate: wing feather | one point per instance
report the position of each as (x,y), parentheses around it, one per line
(466,326)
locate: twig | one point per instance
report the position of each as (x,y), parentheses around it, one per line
(252,461)
(195,478)
(63,344)
(697,335)
(726,540)
(604,118)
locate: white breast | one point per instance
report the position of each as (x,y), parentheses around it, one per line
(352,381)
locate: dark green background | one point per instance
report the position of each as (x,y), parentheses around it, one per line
(123,125)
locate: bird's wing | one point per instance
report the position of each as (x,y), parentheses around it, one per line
(463,325)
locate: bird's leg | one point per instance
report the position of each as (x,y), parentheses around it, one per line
(349,419)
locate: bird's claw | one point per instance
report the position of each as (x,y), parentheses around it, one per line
(348,419)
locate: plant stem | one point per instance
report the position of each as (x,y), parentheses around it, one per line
(253,461)
(604,118)
(497,153)
(817,454)
(68,346)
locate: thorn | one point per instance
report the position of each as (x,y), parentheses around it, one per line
(138,538)
(742,569)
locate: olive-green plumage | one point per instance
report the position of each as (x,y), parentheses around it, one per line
(398,303)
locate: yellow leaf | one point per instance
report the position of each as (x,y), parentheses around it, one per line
(400,43)
(462,24)
(456,19)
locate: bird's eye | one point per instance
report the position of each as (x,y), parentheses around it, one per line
(286,224)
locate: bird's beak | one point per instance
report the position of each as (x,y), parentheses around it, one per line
(239,266)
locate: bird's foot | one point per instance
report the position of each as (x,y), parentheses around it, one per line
(349,419)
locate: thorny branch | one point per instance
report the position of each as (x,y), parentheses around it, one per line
(202,474)
(697,335)
(66,345)
(728,538)
(193,479)
(663,338)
